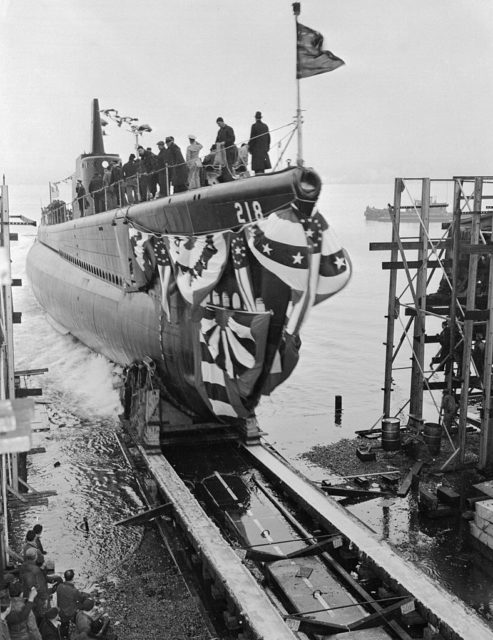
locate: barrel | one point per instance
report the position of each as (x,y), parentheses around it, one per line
(391,434)
(432,435)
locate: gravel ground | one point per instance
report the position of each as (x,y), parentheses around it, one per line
(147,599)
(341,459)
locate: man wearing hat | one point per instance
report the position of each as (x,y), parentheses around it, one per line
(259,145)
(31,575)
(193,162)
(178,170)
(50,625)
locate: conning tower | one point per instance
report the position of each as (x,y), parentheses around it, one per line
(88,164)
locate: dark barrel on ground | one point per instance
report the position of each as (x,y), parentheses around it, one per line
(391,434)
(432,435)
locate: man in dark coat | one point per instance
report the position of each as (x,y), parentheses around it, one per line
(259,145)
(50,625)
(117,183)
(69,598)
(31,575)
(129,171)
(178,173)
(96,190)
(226,135)
(146,167)
(163,177)
(81,197)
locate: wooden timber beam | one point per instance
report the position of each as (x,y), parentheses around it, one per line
(416,264)
(146,516)
(413,244)
(476,248)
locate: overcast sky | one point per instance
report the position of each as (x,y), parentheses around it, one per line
(414,98)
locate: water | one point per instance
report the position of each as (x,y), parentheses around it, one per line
(342,354)
(84,464)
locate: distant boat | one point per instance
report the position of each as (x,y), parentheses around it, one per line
(438,212)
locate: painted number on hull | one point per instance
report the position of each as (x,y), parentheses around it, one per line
(248,211)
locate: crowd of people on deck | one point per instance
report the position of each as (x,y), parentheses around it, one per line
(150,175)
(38,604)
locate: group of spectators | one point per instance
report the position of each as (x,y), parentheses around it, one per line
(37,604)
(151,175)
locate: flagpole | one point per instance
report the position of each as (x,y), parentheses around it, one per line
(299,157)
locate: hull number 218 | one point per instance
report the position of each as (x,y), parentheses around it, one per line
(248,211)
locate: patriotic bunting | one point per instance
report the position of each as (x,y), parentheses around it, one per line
(165,273)
(230,345)
(198,263)
(242,270)
(141,267)
(335,266)
(232,349)
(279,243)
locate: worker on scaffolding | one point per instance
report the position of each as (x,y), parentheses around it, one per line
(443,357)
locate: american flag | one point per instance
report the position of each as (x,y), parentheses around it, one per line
(238,251)
(165,272)
(311,58)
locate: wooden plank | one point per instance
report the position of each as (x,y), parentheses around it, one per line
(412,245)
(24,392)
(378,617)
(435,384)
(146,516)
(479,315)
(470,249)
(30,372)
(416,264)
(353,493)
(431,339)
(34,450)
(406,482)
(16,494)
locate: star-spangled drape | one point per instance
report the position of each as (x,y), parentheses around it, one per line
(165,272)
(334,271)
(279,244)
(238,253)
(198,263)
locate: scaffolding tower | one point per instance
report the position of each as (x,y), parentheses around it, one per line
(15,413)
(463,302)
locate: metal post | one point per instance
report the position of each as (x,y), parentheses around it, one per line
(8,391)
(468,324)
(455,236)
(417,369)
(299,121)
(3,475)
(486,436)
(389,344)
